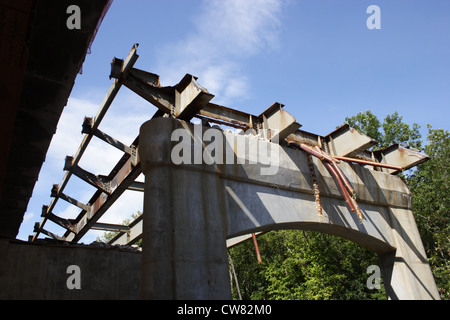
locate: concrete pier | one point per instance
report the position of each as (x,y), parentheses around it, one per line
(184,228)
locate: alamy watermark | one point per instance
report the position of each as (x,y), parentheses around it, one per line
(374,280)
(212,146)
(74,20)
(374,20)
(74,280)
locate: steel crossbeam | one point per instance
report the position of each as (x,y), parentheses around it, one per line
(113,90)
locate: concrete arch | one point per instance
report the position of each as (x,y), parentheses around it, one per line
(371,243)
(191,208)
(264,211)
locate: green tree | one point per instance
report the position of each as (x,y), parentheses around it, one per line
(303,265)
(396,131)
(430,186)
(392,130)
(367,123)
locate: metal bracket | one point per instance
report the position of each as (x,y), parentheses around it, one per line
(100,182)
(110,227)
(87,129)
(56,193)
(116,68)
(65,223)
(37,228)
(277,123)
(137,186)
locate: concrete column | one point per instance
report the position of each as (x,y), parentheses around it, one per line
(406,272)
(184,237)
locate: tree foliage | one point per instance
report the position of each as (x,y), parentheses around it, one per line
(392,130)
(430,186)
(303,265)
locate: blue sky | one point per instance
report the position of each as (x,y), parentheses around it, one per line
(315,56)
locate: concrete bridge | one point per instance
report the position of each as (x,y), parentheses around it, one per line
(191,209)
(205,186)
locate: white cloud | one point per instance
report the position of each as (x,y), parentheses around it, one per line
(68,134)
(239,27)
(129,203)
(225,33)
(28,216)
(70,211)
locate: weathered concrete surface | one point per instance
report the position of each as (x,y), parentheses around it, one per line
(184,227)
(38,271)
(190,209)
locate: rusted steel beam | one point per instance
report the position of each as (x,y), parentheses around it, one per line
(123,178)
(397,155)
(150,78)
(110,227)
(348,142)
(99,182)
(255,243)
(56,193)
(183,101)
(47,233)
(125,164)
(161,97)
(346,189)
(190,97)
(127,65)
(87,129)
(117,72)
(225,123)
(231,116)
(276,118)
(62,222)
(137,186)
(370,163)
(300,136)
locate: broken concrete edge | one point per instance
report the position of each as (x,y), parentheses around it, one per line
(48,242)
